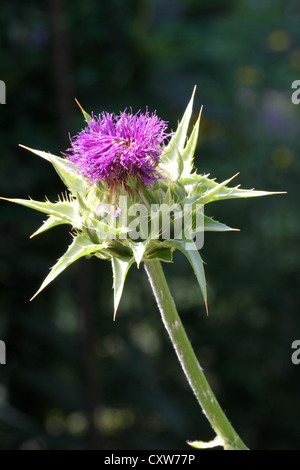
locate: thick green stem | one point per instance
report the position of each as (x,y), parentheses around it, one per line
(188,360)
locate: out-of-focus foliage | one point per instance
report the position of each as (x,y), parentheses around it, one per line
(74,379)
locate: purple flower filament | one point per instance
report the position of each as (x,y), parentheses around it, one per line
(113,147)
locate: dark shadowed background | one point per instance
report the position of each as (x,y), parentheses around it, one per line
(74,379)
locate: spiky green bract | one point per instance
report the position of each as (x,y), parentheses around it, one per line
(103,227)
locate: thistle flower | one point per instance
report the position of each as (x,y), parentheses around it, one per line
(113,147)
(108,153)
(116,152)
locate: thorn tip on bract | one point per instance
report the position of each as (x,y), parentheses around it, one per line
(37,152)
(34,296)
(277,192)
(79,105)
(194,91)
(86,116)
(200,112)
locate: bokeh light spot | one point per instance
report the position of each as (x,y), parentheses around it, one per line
(278,40)
(282,157)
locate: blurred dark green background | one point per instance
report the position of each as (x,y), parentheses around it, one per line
(74,379)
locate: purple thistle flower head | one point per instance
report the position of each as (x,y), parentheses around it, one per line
(113,147)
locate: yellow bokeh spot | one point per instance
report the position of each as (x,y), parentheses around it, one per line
(278,40)
(55,423)
(77,422)
(247,75)
(295,59)
(282,157)
(111,420)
